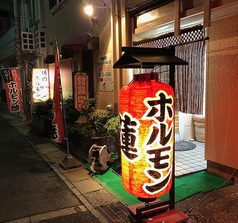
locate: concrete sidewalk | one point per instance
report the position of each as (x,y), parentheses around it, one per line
(87,190)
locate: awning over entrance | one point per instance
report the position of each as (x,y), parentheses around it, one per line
(140,57)
(78,43)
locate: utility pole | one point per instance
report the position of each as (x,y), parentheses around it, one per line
(18,44)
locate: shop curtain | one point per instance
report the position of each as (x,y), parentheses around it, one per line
(190,78)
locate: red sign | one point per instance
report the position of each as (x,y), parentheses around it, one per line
(147,113)
(13,89)
(80,89)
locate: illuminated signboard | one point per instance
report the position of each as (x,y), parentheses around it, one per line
(81,89)
(40,84)
(147,112)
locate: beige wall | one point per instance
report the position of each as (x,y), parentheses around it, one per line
(70,21)
(222,90)
(66,78)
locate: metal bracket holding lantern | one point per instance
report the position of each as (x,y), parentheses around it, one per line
(148,149)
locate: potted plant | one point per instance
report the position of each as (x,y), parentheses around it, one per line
(90,125)
(42,116)
(113,130)
(94,126)
(112,127)
(44,108)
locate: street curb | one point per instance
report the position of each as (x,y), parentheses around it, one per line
(73,188)
(57,171)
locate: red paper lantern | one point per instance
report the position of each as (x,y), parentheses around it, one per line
(147,113)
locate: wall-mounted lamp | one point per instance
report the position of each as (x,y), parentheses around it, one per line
(88,10)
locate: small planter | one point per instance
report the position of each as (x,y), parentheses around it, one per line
(84,145)
(47,126)
(42,112)
(118,149)
(101,141)
(199,123)
(35,122)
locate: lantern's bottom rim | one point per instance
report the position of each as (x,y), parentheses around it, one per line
(146,200)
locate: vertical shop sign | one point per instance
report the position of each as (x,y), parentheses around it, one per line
(13,89)
(104,73)
(80,89)
(40,85)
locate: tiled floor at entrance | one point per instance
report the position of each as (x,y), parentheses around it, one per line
(190,161)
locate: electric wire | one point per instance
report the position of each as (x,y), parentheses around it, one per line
(197,217)
(196,204)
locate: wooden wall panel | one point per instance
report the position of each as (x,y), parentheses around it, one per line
(222,92)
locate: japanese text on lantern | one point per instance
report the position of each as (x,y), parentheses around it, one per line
(156,144)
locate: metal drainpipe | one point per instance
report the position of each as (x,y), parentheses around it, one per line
(117,44)
(114,55)
(119,12)
(18,45)
(41,61)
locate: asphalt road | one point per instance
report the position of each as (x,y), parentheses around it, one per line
(29,188)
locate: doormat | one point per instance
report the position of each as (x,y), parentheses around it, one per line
(185,186)
(184,146)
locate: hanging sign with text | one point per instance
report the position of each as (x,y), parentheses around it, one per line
(80,89)
(13,89)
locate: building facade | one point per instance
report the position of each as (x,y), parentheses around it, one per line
(31,30)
